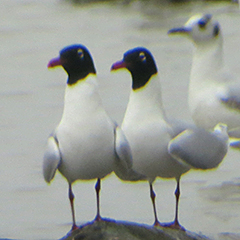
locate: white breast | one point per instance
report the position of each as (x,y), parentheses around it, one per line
(85,134)
(148,133)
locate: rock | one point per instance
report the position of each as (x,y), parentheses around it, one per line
(115,230)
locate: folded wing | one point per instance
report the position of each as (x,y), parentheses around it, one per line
(51,159)
(199,148)
(123,163)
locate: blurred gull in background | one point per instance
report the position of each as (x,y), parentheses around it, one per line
(214,94)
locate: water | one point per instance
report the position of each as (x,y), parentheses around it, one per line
(31,33)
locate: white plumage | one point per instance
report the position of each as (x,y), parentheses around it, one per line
(86,144)
(214,94)
(161,147)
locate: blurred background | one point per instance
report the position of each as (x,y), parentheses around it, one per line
(31,102)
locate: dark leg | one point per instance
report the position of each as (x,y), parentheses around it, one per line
(153,196)
(71,198)
(177,195)
(176,224)
(98,188)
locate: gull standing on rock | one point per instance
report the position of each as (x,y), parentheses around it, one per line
(86,144)
(162,148)
(144,123)
(214,95)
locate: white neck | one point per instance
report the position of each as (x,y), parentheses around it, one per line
(207,60)
(82,98)
(146,101)
(206,67)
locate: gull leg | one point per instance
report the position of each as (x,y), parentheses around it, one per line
(153,196)
(71,198)
(98,188)
(177,195)
(175,224)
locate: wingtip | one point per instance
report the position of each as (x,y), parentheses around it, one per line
(51,159)
(48,176)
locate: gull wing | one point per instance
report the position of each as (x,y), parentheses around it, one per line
(122,148)
(51,159)
(123,163)
(177,126)
(234,133)
(234,137)
(199,148)
(231,97)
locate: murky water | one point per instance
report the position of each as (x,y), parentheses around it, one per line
(31,33)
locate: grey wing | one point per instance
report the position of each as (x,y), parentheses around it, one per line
(177,126)
(122,148)
(234,138)
(123,163)
(51,159)
(231,96)
(235,132)
(198,148)
(235,143)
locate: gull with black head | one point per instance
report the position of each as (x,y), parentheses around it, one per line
(161,148)
(86,144)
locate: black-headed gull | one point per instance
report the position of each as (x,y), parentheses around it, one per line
(153,138)
(214,95)
(86,144)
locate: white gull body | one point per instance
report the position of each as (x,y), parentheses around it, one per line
(85,134)
(160,147)
(148,133)
(86,144)
(214,94)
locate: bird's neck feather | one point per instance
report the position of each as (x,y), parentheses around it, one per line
(147,99)
(206,65)
(207,60)
(82,97)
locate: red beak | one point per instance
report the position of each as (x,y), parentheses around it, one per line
(118,65)
(54,62)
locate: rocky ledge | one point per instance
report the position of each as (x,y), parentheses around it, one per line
(116,230)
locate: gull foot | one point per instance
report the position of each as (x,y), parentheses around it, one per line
(74,227)
(98,218)
(173,225)
(157,224)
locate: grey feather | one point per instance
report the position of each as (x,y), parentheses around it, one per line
(231,97)
(235,132)
(123,164)
(51,159)
(209,153)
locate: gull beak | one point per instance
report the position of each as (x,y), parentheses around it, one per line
(54,62)
(179,30)
(118,65)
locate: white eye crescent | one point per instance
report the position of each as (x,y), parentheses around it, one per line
(80,53)
(142,56)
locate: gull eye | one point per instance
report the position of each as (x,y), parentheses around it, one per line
(80,53)
(204,20)
(216,30)
(142,56)
(202,23)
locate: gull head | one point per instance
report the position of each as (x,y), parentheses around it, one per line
(140,63)
(76,61)
(201,29)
